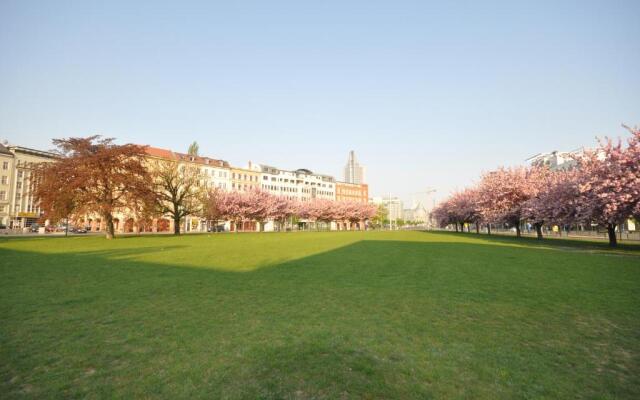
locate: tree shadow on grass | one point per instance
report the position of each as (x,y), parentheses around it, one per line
(548,242)
(279,331)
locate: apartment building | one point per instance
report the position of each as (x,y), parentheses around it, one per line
(217,173)
(243,179)
(18,208)
(301,184)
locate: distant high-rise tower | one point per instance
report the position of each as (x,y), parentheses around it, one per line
(353,171)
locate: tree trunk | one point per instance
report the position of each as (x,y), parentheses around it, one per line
(611,230)
(110,231)
(456,227)
(518,229)
(488,229)
(478,228)
(176,225)
(620,229)
(538,230)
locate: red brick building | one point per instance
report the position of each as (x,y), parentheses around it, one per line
(352,192)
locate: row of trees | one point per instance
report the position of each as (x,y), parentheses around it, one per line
(260,206)
(602,187)
(94,175)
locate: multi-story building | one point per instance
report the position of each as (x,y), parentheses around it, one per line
(353,171)
(352,192)
(556,160)
(18,208)
(300,184)
(217,172)
(244,179)
(394,207)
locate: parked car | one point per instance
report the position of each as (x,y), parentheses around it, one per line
(79,230)
(34,228)
(218,228)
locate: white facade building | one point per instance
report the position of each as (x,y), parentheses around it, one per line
(394,206)
(300,184)
(218,174)
(556,160)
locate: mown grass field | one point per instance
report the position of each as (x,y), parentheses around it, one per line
(395,315)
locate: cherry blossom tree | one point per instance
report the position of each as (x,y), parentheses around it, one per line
(603,187)
(465,208)
(283,209)
(633,161)
(609,184)
(444,214)
(328,210)
(230,207)
(368,212)
(258,206)
(212,207)
(503,194)
(555,202)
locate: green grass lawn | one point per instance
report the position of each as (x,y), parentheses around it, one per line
(395,315)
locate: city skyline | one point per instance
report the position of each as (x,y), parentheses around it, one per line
(428,94)
(406,194)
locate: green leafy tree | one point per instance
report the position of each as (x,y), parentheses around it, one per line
(381,216)
(193,149)
(179,190)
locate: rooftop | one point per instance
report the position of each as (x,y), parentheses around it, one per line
(172,155)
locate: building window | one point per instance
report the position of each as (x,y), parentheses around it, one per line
(3,194)
(4,179)
(5,165)
(1,208)
(18,185)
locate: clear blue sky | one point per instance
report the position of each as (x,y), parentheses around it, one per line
(427,94)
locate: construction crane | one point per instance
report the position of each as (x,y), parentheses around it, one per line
(426,194)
